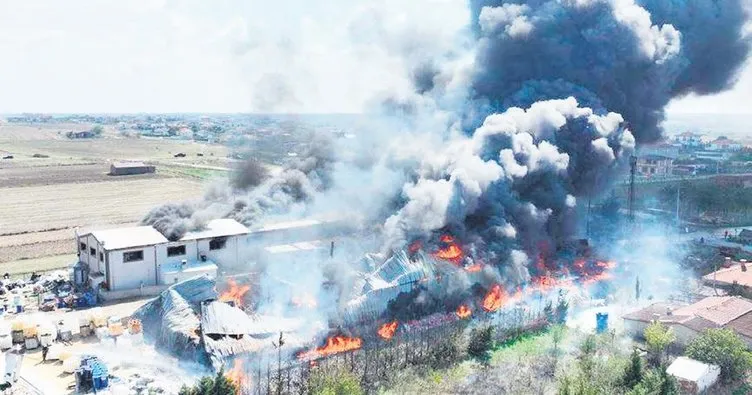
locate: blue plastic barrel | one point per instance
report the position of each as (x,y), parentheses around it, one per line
(601,322)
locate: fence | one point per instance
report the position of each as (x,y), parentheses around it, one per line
(378,359)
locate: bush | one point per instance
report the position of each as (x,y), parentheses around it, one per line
(658,338)
(340,382)
(481,342)
(656,382)
(217,385)
(446,352)
(724,348)
(634,372)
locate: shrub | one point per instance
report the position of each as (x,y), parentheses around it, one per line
(211,385)
(446,352)
(481,343)
(339,382)
(658,337)
(634,372)
(724,348)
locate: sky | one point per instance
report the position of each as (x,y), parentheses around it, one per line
(107,56)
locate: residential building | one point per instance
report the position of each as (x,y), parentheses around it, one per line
(724,144)
(688,322)
(654,165)
(663,148)
(689,140)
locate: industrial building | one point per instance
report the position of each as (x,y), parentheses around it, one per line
(130,168)
(137,260)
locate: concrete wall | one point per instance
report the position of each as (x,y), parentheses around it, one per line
(227,256)
(128,275)
(191,252)
(635,328)
(132,293)
(95,264)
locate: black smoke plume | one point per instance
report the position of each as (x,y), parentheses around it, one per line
(623,56)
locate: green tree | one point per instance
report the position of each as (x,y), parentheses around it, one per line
(548,312)
(97,130)
(481,341)
(634,371)
(562,308)
(658,338)
(577,385)
(724,348)
(656,382)
(587,351)
(211,385)
(338,382)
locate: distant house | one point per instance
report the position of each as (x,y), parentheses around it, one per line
(737,275)
(724,144)
(745,236)
(130,168)
(654,165)
(688,322)
(689,140)
(661,149)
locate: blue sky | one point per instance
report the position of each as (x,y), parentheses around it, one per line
(230,55)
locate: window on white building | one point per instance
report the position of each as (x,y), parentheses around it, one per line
(133,256)
(218,243)
(83,247)
(176,251)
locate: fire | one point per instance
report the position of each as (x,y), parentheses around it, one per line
(464,312)
(494,299)
(451,251)
(334,345)
(474,268)
(237,376)
(304,301)
(235,293)
(606,264)
(414,247)
(387,330)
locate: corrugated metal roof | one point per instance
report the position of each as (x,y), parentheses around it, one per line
(122,238)
(220,318)
(217,228)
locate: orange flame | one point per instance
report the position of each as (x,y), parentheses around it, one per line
(451,251)
(235,293)
(304,301)
(414,247)
(606,264)
(334,345)
(237,376)
(464,312)
(474,268)
(494,299)
(387,330)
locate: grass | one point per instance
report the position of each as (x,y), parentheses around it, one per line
(193,172)
(45,264)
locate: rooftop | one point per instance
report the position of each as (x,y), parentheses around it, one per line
(295,247)
(691,370)
(217,228)
(290,225)
(729,275)
(128,164)
(122,238)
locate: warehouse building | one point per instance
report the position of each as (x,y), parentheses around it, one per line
(130,168)
(139,260)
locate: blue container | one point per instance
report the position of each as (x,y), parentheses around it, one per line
(601,322)
(19,309)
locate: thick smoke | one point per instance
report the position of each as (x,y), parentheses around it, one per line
(515,182)
(631,57)
(252,193)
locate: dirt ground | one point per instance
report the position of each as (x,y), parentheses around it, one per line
(45,198)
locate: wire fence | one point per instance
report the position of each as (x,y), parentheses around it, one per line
(379,360)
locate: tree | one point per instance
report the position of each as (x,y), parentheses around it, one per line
(637,289)
(656,382)
(97,130)
(634,371)
(587,350)
(562,309)
(338,382)
(658,338)
(480,343)
(548,312)
(211,385)
(724,348)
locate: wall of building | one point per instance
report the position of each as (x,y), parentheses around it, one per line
(95,264)
(227,256)
(191,252)
(128,275)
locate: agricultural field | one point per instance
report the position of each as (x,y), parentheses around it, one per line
(53,185)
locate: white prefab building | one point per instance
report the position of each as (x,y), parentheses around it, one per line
(124,258)
(139,257)
(694,377)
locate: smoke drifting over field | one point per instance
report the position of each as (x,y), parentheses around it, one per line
(508,132)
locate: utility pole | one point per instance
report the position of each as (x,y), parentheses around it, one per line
(278,345)
(678,204)
(632,173)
